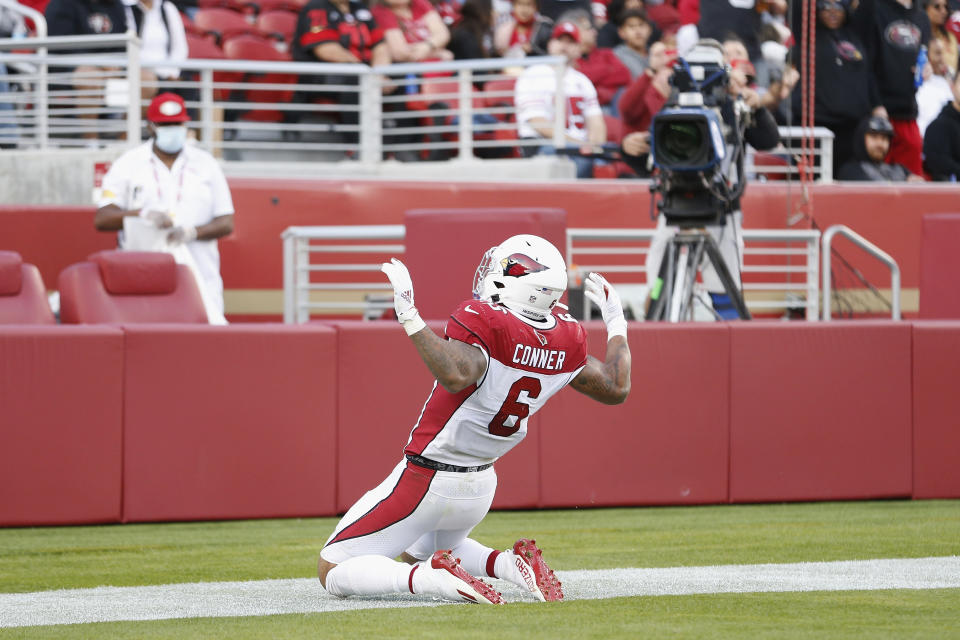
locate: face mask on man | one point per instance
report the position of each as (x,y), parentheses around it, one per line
(170,139)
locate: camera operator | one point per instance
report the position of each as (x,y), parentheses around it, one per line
(740,111)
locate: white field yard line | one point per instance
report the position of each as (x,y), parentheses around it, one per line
(269,597)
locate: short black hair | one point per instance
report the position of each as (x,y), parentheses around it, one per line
(632,13)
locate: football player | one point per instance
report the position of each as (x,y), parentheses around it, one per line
(506,352)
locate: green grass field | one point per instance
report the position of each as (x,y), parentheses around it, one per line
(38,559)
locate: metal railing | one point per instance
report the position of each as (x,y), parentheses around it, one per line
(871,249)
(780,272)
(298,111)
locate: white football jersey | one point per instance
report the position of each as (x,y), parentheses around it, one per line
(534,97)
(526,365)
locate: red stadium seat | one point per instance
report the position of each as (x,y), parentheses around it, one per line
(234,5)
(222,23)
(615,130)
(23,298)
(278,25)
(262,6)
(503,95)
(129,287)
(203,47)
(253,47)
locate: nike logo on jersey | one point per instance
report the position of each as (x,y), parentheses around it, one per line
(469,310)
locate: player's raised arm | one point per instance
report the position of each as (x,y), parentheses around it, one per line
(608,381)
(455,365)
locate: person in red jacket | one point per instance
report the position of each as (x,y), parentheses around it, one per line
(600,65)
(646,95)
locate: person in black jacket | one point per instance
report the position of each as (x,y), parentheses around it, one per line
(471,37)
(85,18)
(846,91)
(873,137)
(893,31)
(941,144)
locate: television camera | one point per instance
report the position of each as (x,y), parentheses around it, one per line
(697,142)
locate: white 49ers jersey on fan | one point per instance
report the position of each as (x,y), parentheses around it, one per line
(525,366)
(535,94)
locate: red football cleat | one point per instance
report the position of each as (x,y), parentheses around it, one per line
(451,582)
(547,587)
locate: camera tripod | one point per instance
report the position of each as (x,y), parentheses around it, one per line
(672,300)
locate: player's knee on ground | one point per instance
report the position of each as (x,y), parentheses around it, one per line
(323,568)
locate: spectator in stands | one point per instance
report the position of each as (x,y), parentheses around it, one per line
(449,11)
(413,30)
(339,31)
(846,90)
(741,18)
(608,36)
(553,9)
(648,92)
(180,189)
(163,42)
(525,33)
(188,7)
(772,89)
(472,36)
(937,13)
(80,18)
(604,69)
(535,96)
(635,31)
(941,145)
(12,25)
(936,90)
(873,137)
(893,31)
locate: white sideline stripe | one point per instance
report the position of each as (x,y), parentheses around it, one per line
(269,597)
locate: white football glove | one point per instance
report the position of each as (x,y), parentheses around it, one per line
(407,314)
(602,293)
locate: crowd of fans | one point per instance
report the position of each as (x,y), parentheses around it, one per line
(884,68)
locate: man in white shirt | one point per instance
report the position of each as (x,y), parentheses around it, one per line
(179,189)
(535,95)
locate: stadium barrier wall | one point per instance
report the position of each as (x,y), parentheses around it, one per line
(226,423)
(161,422)
(820,412)
(936,410)
(890,216)
(61,424)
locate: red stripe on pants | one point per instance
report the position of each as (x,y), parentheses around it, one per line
(402,501)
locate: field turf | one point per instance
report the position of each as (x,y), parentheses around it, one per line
(38,559)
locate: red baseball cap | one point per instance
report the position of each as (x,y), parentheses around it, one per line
(167,107)
(566,29)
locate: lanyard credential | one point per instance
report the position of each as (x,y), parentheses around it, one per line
(156,179)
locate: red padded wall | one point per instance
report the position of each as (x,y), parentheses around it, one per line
(60,424)
(936,410)
(667,444)
(820,411)
(384,385)
(234,422)
(445,246)
(939,266)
